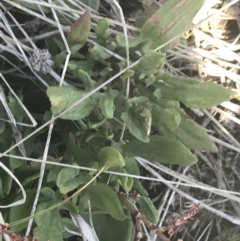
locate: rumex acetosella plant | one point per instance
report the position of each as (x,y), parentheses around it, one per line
(107,128)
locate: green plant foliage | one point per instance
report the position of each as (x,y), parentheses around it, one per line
(93,4)
(138,120)
(110,157)
(199,95)
(168,116)
(148,209)
(98,53)
(107,106)
(85,78)
(80,29)
(168,22)
(126,181)
(17,213)
(138,114)
(63,97)
(49,225)
(161,149)
(104,198)
(194,137)
(68,179)
(102,29)
(132,168)
(108,228)
(151,62)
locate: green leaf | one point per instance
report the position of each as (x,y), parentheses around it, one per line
(169,21)
(132,41)
(47,193)
(103,197)
(63,97)
(138,121)
(16,213)
(85,77)
(148,209)
(110,157)
(194,137)
(199,95)
(168,116)
(15,107)
(127,182)
(151,62)
(143,16)
(68,179)
(93,4)
(80,29)
(109,229)
(132,168)
(49,224)
(107,106)
(101,30)
(129,73)
(35,7)
(161,149)
(98,53)
(137,100)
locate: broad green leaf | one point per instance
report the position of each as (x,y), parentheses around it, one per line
(16,213)
(103,197)
(138,120)
(48,193)
(93,4)
(109,229)
(151,62)
(194,137)
(49,224)
(201,95)
(80,29)
(101,30)
(63,97)
(85,78)
(161,149)
(168,116)
(148,209)
(110,157)
(66,174)
(176,80)
(107,106)
(68,179)
(169,21)
(74,183)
